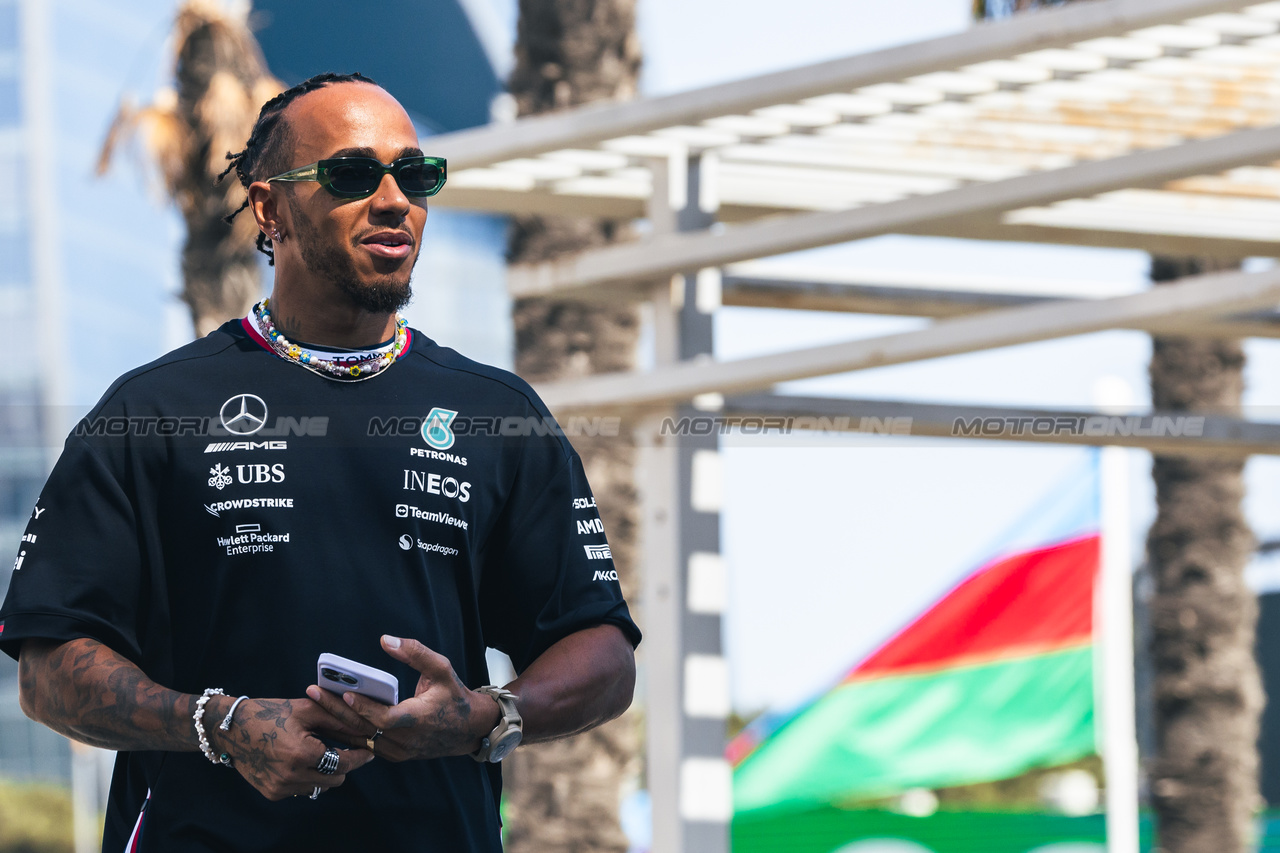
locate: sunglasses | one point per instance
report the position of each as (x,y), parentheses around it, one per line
(358,177)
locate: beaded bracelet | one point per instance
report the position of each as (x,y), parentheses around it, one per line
(199,721)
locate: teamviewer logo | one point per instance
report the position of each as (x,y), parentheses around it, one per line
(402,510)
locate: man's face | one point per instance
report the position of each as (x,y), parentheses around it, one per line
(366,247)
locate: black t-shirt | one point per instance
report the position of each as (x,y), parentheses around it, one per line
(222,517)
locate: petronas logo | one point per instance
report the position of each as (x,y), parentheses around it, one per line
(436,429)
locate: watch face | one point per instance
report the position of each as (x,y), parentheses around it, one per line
(506,742)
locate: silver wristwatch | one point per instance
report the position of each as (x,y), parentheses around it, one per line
(507,733)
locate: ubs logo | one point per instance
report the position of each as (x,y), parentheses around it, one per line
(243,414)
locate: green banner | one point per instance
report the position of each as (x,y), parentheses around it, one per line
(958,726)
(832,830)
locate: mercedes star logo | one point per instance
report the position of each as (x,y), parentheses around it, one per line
(243,414)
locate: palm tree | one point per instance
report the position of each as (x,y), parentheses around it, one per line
(1207,691)
(221,82)
(564,796)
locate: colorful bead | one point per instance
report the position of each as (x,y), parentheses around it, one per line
(286,349)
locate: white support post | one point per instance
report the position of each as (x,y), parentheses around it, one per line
(690,781)
(1113,623)
(657,477)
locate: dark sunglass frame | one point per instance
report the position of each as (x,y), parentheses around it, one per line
(322,171)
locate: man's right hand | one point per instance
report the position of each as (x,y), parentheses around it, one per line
(274,744)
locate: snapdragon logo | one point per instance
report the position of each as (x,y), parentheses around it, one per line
(407,543)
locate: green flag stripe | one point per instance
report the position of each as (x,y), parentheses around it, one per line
(954,727)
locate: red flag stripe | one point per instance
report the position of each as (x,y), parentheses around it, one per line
(1031,602)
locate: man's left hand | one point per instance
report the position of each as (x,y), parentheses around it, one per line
(442,717)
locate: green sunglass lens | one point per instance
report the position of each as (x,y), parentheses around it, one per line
(358,178)
(419,178)
(354,178)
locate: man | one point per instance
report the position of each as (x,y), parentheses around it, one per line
(317,478)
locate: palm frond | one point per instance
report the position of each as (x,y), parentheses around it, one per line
(164,137)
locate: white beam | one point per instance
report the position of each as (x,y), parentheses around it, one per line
(1158,432)
(1170,309)
(865,297)
(657,258)
(920,300)
(991,228)
(543,202)
(587,126)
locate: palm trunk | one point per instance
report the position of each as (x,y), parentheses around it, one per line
(564,796)
(221,81)
(218,70)
(1208,694)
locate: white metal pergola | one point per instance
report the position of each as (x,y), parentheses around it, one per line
(1146,124)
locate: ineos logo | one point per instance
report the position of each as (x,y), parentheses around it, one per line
(243,414)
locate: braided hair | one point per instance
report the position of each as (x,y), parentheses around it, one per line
(271,141)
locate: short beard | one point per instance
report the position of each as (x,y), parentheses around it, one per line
(384,295)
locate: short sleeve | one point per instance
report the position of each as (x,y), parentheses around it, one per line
(77,572)
(547,568)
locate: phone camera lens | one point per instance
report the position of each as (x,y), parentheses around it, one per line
(346,679)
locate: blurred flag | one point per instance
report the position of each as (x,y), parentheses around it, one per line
(992,680)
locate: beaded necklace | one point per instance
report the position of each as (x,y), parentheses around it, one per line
(329,368)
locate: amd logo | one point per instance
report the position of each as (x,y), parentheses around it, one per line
(594,525)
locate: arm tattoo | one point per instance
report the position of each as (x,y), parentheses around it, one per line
(86,691)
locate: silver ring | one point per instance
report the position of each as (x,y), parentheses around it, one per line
(315,795)
(329,762)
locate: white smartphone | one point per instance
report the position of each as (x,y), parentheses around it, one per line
(341,675)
